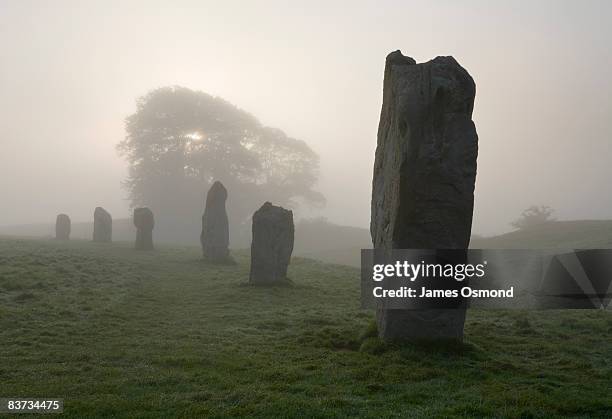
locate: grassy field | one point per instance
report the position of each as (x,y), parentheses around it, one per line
(577,234)
(580,234)
(121,333)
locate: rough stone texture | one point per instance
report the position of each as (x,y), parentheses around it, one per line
(144,222)
(215,226)
(103,226)
(424,175)
(62,227)
(272,244)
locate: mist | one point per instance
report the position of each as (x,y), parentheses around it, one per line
(70,73)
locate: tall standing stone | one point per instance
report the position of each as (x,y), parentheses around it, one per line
(424,175)
(215,226)
(144,222)
(103,226)
(62,227)
(272,245)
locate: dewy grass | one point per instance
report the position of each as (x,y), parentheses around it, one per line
(121,333)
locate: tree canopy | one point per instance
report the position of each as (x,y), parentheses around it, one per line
(179,141)
(532,216)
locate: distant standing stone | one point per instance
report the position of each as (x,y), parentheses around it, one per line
(144,222)
(424,175)
(103,226)
(272,245)
(62,227)
(215,226)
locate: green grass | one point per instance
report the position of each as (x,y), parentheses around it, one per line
(121,333)
(578,234)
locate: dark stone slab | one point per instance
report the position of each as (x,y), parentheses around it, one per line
(103,226)
(215,226)
(272,245)
(144,222)
(62,227)
(424,176)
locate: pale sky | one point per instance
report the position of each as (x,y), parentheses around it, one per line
(70,73)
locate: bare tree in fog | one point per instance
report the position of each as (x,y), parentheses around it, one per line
(179,141)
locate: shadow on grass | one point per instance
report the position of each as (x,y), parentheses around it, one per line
(229,261)
(269,284)
(372,344)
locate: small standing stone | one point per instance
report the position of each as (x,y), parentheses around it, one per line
(62,227)
(215,226)
(144,222)
(272,245)
(103,226)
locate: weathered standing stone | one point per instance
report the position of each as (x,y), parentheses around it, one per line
(103,226)
(215,226)
(62,227)
(144,222)
(424,175)
(272,244)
